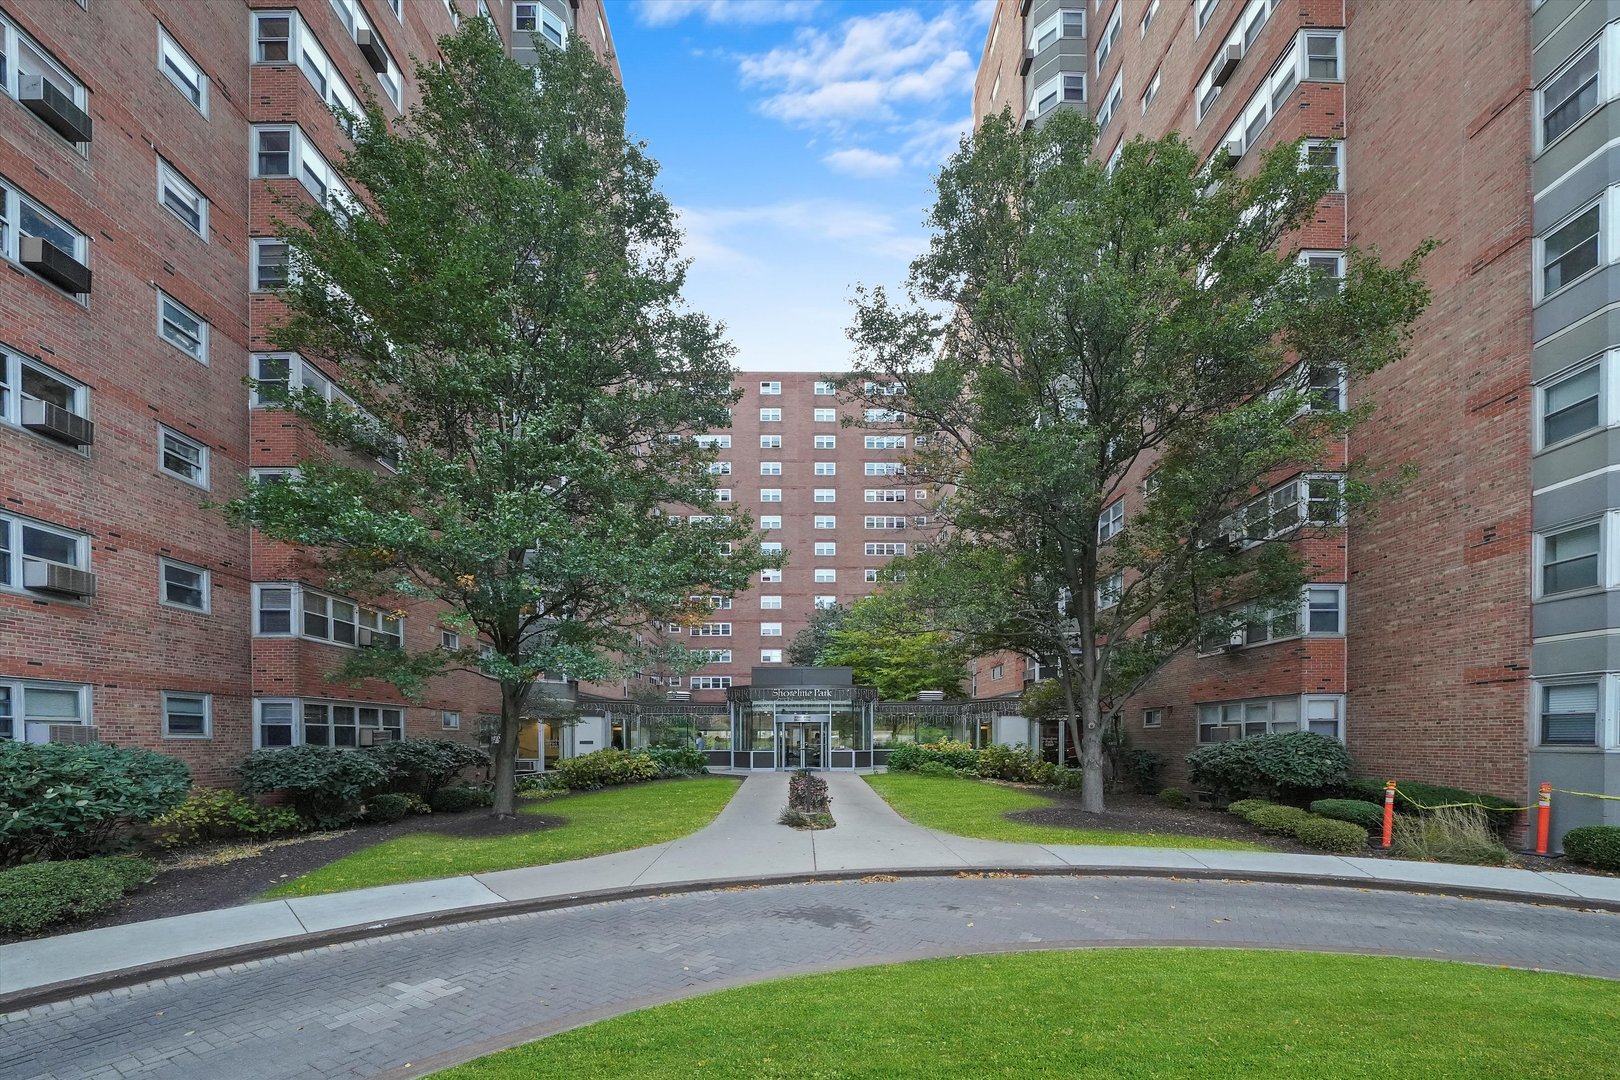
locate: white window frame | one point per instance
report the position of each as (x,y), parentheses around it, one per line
(770,416)
(869,574)
(823,602)
(710,682)
(885,521)
(825,549)
(207,732)
(825,575)
(826,442)
(165,301)
(1110,591)
(712,629)
(770,442)
(12,558)
(449,720)
(822,388)
(1202,10)
(1608,84)
(883,468)
(826,416)
(12,202)
(1147,18)
(256,263)
(770,523)
(1263,710)
(1153,716)
(715,656)
(770,495)
(545,23)
(770,576)
(165,433)
(825,521)
(174,62)
(770,468)
(1608,566)
(1607,407)
(711,442)
(354,19)
(13,725)
(1152,90)
(1108,38)
(771,388)
(770,629)
(12,41)
(888,548)
(884,442)
(365,617)
(1111,522)
(304,50)
(204,585)
(770,656)
(824,495)
(770,602)
(1608,207)
(1316,146)
(826,468)
(305,164)
(12,364)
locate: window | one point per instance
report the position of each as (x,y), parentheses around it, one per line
(885,495)
(770,629)
(715,603)
(770,656)
(187,716)
(182,457)
(770,442)
(1109,592)
(354,20)
(341,724)
(770,603)
(1569,559)
(884,468)
(826,442)
(450,721)
(824,602)
(770,495)
(449,639)
(24,541)
(1569,713)
(1324,387)
(1152,718)
(882,416)
(1327,154)
(1322,56)
(826,522)
(920,494)
(884,522)
(885,549)
(1110,38)
(1059,25)
(769,576)
(826,575)
(869,574)
(181,70)
(825,495)
(1147,19)
(283,152)
(182,328)
(283,37)
(719,468)
(1111,522)
(274,604)
(770,387)
(1571,95)
(711,682)
(826,468)
(1201,13)
(826,416)
(1231,720)
(276,374)
(22,61)
(40,703)
(885,442)
(715,656)
(281,608)
(824,389)
(710,442)
(770,416)
(712,629)
(1572,405)
(270,265)
(21,216)
(1571,251)
(722,495)
(770,468)
(1310,499)
(769,523)
(1152,90)
(529,18)
(1324,609)
(183,586)
(23,379)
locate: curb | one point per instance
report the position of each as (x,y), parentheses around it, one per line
(47,993)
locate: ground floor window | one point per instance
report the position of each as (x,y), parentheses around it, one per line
(1569,713)
(324,723)
(1224,721)
(28,709)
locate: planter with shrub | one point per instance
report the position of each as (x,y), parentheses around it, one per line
(809,806)
(60,801)
(1595,845)
(38,895)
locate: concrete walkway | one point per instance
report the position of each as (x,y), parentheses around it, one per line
(744,843)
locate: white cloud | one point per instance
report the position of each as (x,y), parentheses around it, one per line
(857,161)
(724,12)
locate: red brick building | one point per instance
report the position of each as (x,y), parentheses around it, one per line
(142,145)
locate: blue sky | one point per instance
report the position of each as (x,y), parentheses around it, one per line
(798,140)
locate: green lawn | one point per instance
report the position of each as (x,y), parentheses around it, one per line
(974,808)
(1115,1013)
(616,819)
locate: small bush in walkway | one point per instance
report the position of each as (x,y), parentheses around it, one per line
(1594,845)
(1361,813)
(1173,796)
(801,819)
(1243,806)
(606,768)
(212,814)
(62,800)
(1277,820)
(1458,835)
(38,895)
(808,792)
(1327,834)
(325,784)
(459,797)
(389,806)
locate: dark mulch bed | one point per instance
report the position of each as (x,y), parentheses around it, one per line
(1144,813)
(196,878)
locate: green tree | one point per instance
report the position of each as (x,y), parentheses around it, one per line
(503,316)
(1098,322)
(808,644)
(892,648)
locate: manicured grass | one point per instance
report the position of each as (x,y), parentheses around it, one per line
(974,808)
(616,819)
(1115,1013)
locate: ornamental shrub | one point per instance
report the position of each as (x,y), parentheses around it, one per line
(1063,777)
(939,768)
(455,798)
(423,766)
(38,895)
(1019,764)
(1242,807)
(949,753)
(1277,820)
(61,800)
(213,814)
(389,806)
(684,761)
(807,793)
(1361,813)
(1293,766)
(1455,835)
(1173,796)
(606,768)
(1329,834)
(323,783)
(1413,795)
(1594,845)
(1143,767)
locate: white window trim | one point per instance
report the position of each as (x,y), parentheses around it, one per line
(824,389)
(1608,222)
(1608,399)
(1607,41)
(11,366)
(170,56)
(1295,64)
(1156,712)
(354,19)
(770,442)
(1302,703)
(206,586)
(825,416)
(825,442)
(770,468)
(14,552)
(202,457)
(201,356)
(1606,735)
(1108,40)
(772,388)
(11,36)
(770,656)
(19,687)
(770,602)
(1608,556)
(770,629)
(770,495)
(257,244)
(297,720)
(365,616)
(770,416)
(445,721)
(11,230)
(544,17)
(826,548)
(207,714)
(1338,151)
(303,158)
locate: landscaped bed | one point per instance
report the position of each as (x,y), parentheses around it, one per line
(1107,1013)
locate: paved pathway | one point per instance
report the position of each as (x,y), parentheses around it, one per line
(744,841)
(404,1004)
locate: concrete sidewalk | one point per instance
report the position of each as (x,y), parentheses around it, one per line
(744,843)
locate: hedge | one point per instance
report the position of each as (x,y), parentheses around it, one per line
(423,766)
(1327,834)
(605,768)
(216,814)
(1418,795)
(1356,811)
(61,800)
(1243,806)
(1278,820)
(38,895)
(1292,765)
(323,783)
(458,797)
(1594,845)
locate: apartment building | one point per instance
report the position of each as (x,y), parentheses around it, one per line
(1464,633)
(142,148)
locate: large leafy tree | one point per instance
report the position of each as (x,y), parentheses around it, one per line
(503,316)
(1098,322)
(892,647)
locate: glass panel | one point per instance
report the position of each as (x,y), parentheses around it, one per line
(37,384)
(1571,251)
(274,33)
(1324,611)
(53,706)
(6,712)
(1570,97)
(315,621)
(275,723)
(273,378)
(1571,560)
(35,223)
(50,546)
(1323,57)
(185,715)
(182,457)
(275,611)
(1569,714)
(181,328)
(1572,406)
(182,586)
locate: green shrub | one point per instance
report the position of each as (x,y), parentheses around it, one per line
(606,768)
(1278,820)
(684,761)
(38,895)
(807,793)
(1454,835)
(1018,764)
(458,797)
(1063,777)
(1594,845)
(1292,766)
(423,766)
(389,806)
(1360,813)
(939,768)
(1412,796)
(1243,806)
(1329,834)
(416,804)
(951,754)
(323,783)
(540,786)
(1143,767)
(62,800)
(1173,796)
(211,814)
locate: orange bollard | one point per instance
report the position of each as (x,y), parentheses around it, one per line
(1543,818)
(1389,810)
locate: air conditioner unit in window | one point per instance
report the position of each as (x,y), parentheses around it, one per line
(368,638)
(1235,642)
(60,578)
(1226,62)
(57,423)
(53,264)
(371,49)
(1228,153)
(376,736)
(55,106)
(1026,61)
(529,765)
(71,733)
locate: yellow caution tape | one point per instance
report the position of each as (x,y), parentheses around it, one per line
(1587,794)
(1454,805)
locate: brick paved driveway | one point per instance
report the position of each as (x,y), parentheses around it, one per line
(390,1004)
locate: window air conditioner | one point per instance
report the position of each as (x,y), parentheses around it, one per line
(71,733)
(55,106)
(53,264)
(371,49)
(58,578)
(57,423)
(1235,642)
(376,736)
(1230,151)
(1226,62)
(1026,61)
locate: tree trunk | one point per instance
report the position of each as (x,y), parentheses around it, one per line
(1086,733)
(512,698)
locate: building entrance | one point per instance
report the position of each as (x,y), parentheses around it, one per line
(801,741)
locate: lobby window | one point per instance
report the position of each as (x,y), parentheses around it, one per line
(826,416)
(770,656)
(1111,522)
(270,265)
(825,522)
(1572,94)
(1569,559)
(1572,405)
(26,544)
(1572,250)
(824,388)
(1569,713)
(770,468)
(23,381)
(770,416)
(449,720)
(826,575)
(770,442)
(21,218)
(770,629)
(826,495)
(770,388)
(182,328)
(181,70)
(770,603)
(183,586)
(182,457)
(1152,718)
(26,70)
(826,442)
(826,548)
(826,468)
(770,495)
(187,716)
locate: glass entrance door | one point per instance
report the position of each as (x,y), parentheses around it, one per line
(801,743)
